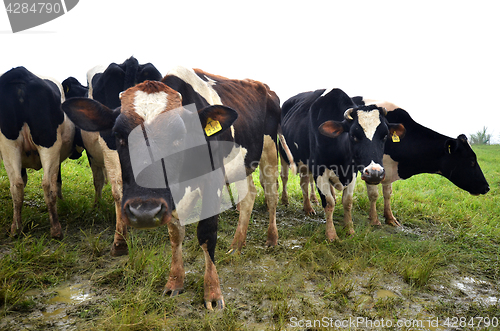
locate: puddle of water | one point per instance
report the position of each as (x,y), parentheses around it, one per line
(476,289)
(72,294)
(59,313)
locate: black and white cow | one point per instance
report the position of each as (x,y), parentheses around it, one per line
(34,133)
(248,120)
(105,85)
(330,138)
(423,151)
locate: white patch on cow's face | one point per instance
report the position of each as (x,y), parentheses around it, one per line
(369,121)
(150,105)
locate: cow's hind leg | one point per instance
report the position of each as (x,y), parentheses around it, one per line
(312,197)
(389,216)
(269,180)
(284,181)
(175,283)
(347,199)
(304,185)
(372,191)
(111,161)
(98,174)
(12,164)
(50,160)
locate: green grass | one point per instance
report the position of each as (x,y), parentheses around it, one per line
(447,236)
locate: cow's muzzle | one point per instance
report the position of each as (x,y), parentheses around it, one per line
(146,214)
(373,174)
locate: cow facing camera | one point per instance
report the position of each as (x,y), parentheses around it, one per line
(204,177)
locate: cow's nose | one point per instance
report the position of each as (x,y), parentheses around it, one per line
(373,174)
(145,214)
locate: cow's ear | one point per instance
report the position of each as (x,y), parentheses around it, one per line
(89,114)
(398,130)
(216,119)
(331,128)
(451,146)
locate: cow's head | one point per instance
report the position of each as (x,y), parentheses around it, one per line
(367,130)
(150,123)
(459,165)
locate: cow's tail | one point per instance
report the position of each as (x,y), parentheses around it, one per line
(293,167)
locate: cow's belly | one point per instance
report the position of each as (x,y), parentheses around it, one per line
(23,146)
(93,145)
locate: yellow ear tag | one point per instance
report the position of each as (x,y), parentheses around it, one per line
(213,126)
(395,137)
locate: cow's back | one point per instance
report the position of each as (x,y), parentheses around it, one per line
(296,125)
(26,98)
(258,111)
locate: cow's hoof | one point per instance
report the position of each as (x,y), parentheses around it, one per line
(375,222)
(271,243)
(393,222)
(56,233)
(234,251)
(219,304)
(172,293)
(332,238)
(309,211)
(119,249)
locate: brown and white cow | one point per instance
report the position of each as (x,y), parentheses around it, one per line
(34,133)
(247,113)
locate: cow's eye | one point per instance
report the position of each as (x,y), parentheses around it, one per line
(473,163)
(385,138)
(355,139)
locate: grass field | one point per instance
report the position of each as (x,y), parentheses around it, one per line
(442,266)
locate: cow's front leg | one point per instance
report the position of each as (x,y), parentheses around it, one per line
(207,238)
(389,217)
(327,195)
(175,283)
(372,191)
(269,181)
(347,198)
(246,206)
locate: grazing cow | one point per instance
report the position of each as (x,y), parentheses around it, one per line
(423,151)
(248,120)
(330,138)
(105,86)
(34,133)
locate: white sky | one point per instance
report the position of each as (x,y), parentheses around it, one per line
(440,60)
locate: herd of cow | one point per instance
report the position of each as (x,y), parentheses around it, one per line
(324,134)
